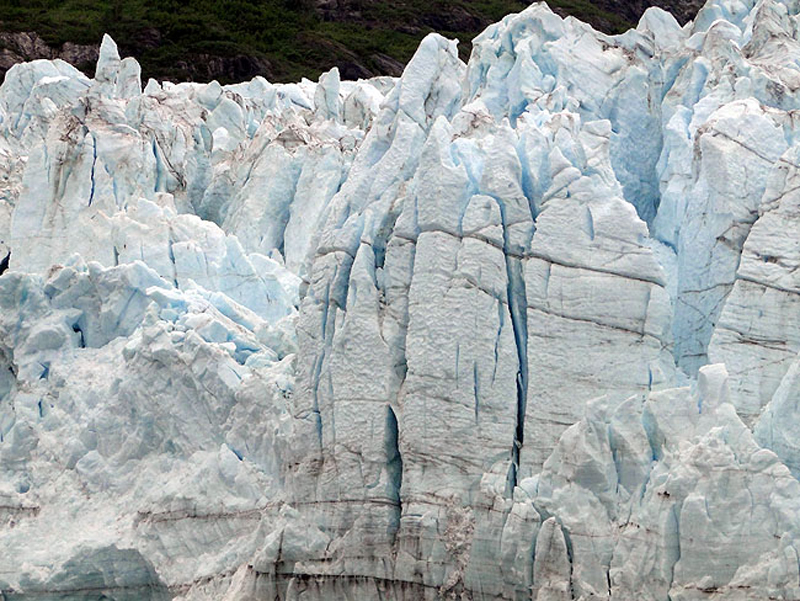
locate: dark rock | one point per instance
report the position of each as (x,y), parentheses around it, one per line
(455,19)
(632,10)
(206,67)
(28,46)
(354,70)
(386,65)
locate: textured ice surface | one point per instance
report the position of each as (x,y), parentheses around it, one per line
(522,328)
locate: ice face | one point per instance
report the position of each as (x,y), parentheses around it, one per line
(521,328)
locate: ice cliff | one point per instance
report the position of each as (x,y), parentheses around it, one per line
(522,328)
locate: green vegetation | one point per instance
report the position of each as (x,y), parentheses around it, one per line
(288,35)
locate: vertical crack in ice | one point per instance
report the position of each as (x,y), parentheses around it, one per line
(286,213)
(336,293)
(677,553)
(528,181)
(318,365)
(76,327)
(92,173)
(517,305)
(570,559)
(394,466)
(589,223)
(122,313)
(171,254)
(159,183)
(5,262)
(476,389)
(500,325)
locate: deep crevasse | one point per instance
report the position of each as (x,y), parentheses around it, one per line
(524,328)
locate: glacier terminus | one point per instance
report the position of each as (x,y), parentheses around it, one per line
(522,328)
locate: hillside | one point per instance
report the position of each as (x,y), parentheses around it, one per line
(284,40)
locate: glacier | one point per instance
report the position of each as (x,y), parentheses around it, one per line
(526,327)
